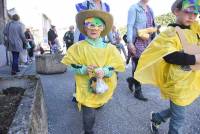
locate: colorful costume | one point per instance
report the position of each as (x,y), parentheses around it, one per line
(180,86)
(82,53)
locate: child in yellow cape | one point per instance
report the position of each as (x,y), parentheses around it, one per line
(166,65)
(92,60)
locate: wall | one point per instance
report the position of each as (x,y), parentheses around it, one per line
(3,60)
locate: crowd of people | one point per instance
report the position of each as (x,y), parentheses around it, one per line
(169,60)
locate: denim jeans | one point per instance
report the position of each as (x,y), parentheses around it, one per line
(15,62)
(177,117)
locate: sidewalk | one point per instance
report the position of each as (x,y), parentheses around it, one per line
(24,70)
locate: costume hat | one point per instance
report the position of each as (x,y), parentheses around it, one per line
(106,17)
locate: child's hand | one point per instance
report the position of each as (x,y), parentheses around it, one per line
(99,73)
(90,69)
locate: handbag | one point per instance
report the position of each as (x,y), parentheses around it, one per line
(26,45)
(188,48)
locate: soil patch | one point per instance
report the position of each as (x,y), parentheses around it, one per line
(9,100)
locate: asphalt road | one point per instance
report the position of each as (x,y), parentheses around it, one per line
(122,115)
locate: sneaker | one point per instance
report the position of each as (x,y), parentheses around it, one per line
(154,125)
(74,99)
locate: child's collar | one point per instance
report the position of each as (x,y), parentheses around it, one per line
(181,26)
(96,42)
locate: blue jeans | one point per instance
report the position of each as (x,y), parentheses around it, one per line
(177,117)
(15,63)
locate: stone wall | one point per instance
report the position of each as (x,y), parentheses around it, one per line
(31,115)
(49,64)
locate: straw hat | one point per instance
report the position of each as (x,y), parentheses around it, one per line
(106,17)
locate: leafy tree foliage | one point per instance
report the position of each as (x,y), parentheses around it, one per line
(165,19)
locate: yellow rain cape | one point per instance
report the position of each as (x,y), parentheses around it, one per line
(83,53)
(181,87)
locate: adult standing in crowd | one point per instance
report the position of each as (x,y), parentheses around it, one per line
(140,16)
(15,37)
(69,37)
(30,39)
(52,39)
(87,5)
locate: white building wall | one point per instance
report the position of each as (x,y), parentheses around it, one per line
(3,60)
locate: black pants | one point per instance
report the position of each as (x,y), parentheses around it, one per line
(30,52)
(88,119)
(134,66)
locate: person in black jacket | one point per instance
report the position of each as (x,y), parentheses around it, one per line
(52,36)
(69,37)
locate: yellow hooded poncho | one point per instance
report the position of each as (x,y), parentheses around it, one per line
(181,87)
(83,53)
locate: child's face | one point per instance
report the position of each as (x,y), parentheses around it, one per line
(93,33)
(185,17)
(93,27)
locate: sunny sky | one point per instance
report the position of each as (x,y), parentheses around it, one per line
(62,12)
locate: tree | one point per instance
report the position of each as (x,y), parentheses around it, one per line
(165,19)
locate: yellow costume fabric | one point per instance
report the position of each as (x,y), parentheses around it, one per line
(83,53)
(196,27)
(181,87)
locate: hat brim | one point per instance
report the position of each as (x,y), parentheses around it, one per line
(106,17)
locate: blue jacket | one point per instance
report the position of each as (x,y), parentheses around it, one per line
(136,20)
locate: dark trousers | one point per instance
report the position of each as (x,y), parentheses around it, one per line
(15,62)
(134,66)
(30,52)
(88,119)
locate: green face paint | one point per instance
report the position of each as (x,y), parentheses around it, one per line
(94,21)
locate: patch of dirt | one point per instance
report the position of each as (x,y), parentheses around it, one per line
(9,100)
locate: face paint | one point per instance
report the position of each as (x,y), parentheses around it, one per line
(191,6)
(94,23)
(190,10)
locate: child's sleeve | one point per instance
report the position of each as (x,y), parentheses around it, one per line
(108,71)
(77,69)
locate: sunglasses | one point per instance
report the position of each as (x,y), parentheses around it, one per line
(94,26)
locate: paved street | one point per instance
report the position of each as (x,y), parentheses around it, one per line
(122,115)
